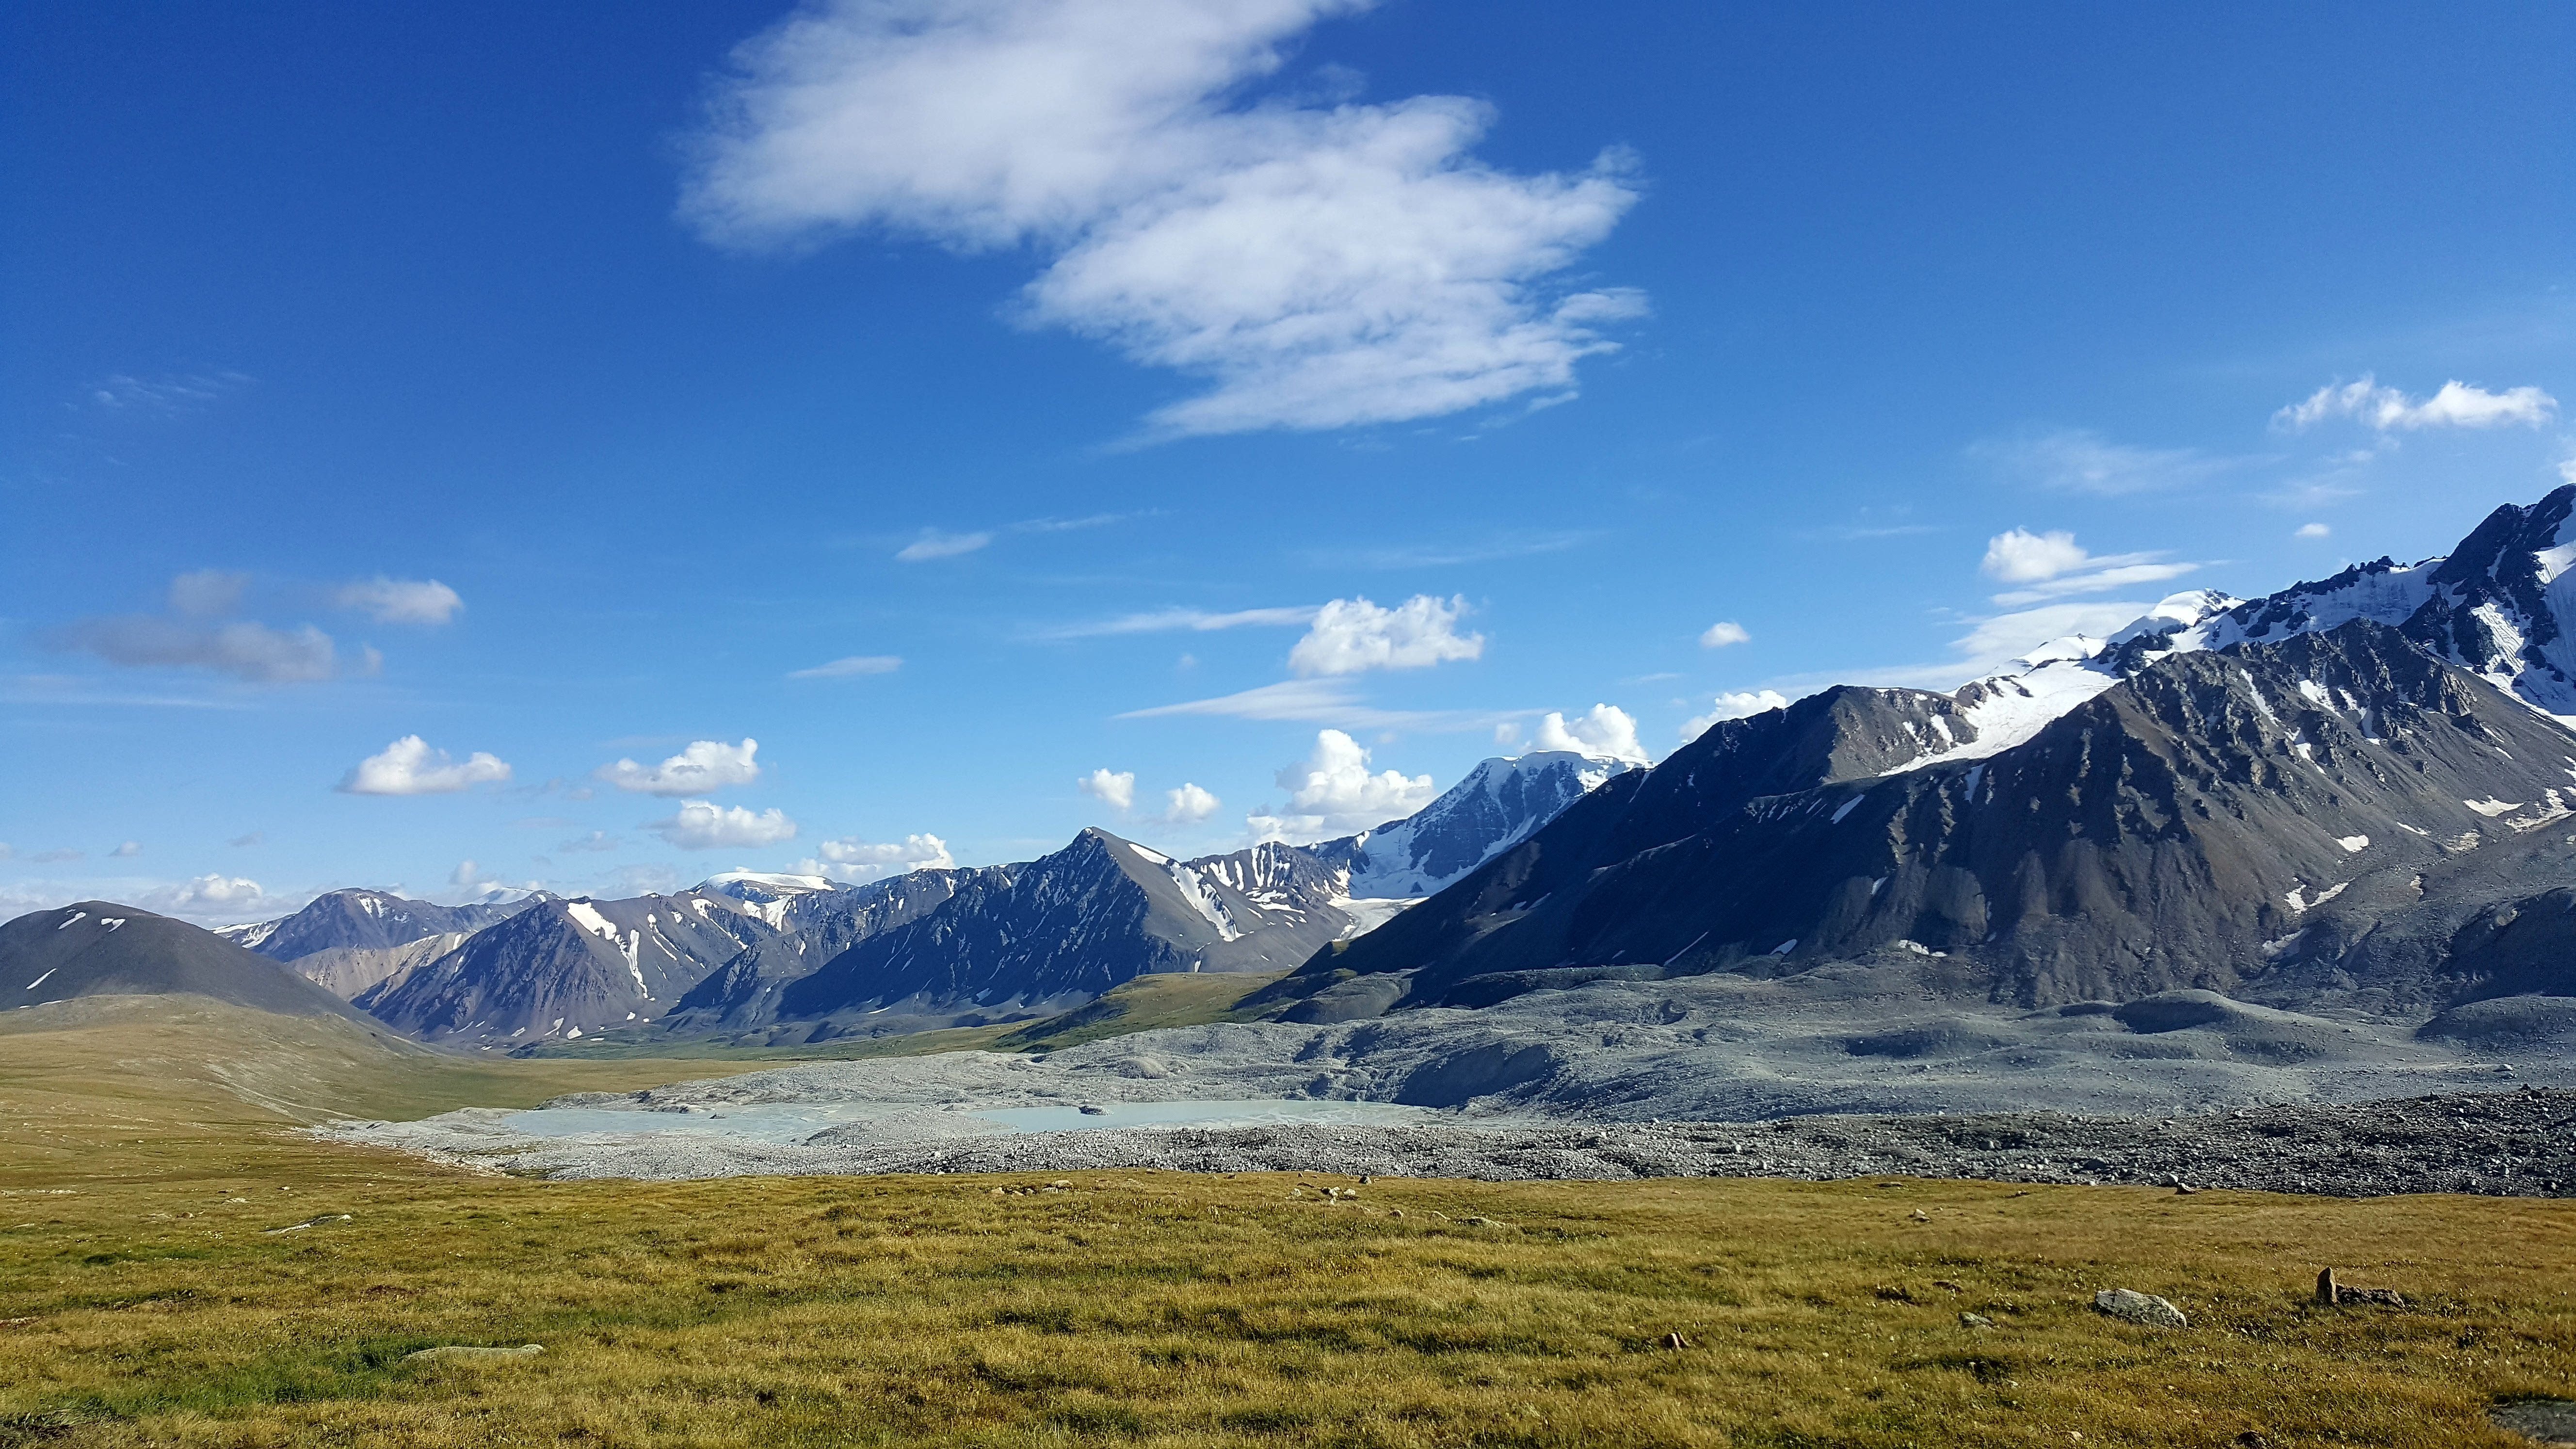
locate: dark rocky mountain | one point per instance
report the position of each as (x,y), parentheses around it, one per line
(349,972)
(1064,928)
(744,992)
(568,968)
(1496,807)
(2174,831)
(364,920)
(99,948)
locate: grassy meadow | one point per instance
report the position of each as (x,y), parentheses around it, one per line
(148,1158)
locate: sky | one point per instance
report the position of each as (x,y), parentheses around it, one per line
(465,447)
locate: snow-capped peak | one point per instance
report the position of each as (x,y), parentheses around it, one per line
(1500,803)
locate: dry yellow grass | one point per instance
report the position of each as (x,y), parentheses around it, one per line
(146,1302)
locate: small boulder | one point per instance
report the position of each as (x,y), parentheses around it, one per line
(2130,1306)
(1975,1320)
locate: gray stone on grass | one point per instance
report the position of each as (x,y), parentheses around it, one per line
(2132,1306)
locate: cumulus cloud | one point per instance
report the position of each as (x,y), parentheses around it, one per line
(2078,460)
(1332,792)
(934,544)
(399,601)
(705,767)
(703,825)
(210,895)
(1117,791)
(851,667)
(2053,565)
(243,649)
(207,593)
(2314,530)
(1723,633)
(1188,805)
(1738,704)
(2456,405)
(1319,266)
(853,861)
(409,766)
(1351,636)
(1605,730)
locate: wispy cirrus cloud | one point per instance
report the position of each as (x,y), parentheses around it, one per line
(1184,620)
(1318,266)
(2079,460)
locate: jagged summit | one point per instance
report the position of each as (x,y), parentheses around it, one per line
(1494,808)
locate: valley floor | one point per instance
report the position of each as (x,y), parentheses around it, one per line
(180,1264)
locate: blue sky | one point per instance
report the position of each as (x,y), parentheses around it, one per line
(562,386)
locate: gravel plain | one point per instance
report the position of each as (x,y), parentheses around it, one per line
(1829,1075)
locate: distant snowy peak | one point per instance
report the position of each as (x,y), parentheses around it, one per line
(1500,803)
(2492,606)
(1991,715)
(782,901)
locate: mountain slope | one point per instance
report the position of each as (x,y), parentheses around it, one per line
(363,920)
(569,968)
(98,948)
(2170,832)
(1071,925)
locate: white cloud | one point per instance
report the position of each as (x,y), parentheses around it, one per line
(242,649)
(2053,566)
(1320,266)
(596,840)
(208,895)
(1738,704)
(2078,460)
(705,767)
(207,593)
(2457,405)
(1117,791)
(400,601)
(853,861)
(2021,556)
(409,766)
(1165,621)
(1188,805)
(2314,530)
(703,825)
(1723,633)
(1996,642)
(851,667)
(1304,701)
(1605,730)
(1350,636)
(934,544)
(126,851)
(1331,792)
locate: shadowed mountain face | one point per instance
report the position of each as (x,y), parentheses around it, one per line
(564,968)
(97,948)
(364,920)
(2174,831)
(1071,925)
(744,992)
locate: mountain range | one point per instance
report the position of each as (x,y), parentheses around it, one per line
(2351,790)
(2315,792)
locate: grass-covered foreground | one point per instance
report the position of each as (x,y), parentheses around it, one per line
(145,1299)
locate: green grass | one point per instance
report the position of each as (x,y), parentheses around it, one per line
(144,1301)
(1144,1004)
